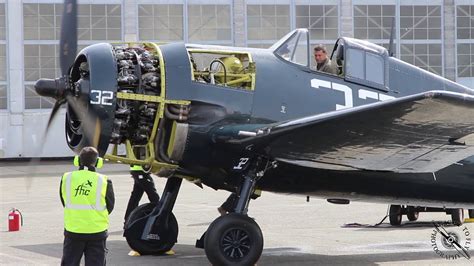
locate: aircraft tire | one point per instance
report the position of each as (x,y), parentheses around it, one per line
(471,213)
(412,215)
(457,215)
(134,228)
(233,239)
(395,215)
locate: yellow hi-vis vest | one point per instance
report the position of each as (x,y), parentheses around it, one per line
(136,168)
(85,210)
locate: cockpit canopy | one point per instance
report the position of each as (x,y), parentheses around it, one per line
(357,60)
(361,62)
(294,47)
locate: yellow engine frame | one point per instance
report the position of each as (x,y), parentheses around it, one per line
(149,161)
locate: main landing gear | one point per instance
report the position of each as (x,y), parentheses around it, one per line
(235,238)
(396,213)
(232,239)
(152,229)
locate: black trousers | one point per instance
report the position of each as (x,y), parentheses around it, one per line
(94,252)
(143,182)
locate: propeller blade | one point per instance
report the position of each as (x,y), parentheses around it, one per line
(68,41)
(36,160)
(55,110)
(90,124)
(57,88)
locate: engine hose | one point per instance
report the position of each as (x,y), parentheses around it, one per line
(160,138)
(223,66)
(178,110)
(178,117)
(183,114)
(158,143)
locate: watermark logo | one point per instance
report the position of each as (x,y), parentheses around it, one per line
(451,244)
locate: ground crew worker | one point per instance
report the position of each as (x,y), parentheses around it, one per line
(88,199)
(142,182)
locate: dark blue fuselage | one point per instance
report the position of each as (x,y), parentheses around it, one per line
(285,91)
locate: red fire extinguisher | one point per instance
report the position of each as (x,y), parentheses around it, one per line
(15,220)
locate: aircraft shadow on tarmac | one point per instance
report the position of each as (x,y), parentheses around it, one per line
(189,255)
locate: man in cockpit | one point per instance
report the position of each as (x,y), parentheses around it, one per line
(324,64)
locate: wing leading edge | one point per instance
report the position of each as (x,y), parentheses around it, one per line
(419,133)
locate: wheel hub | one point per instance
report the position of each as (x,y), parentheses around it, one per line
(236,243)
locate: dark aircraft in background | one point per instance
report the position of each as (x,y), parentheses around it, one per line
(249,120)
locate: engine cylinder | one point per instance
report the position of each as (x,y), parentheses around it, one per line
(138,73)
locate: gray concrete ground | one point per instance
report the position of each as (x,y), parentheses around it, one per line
(296,232)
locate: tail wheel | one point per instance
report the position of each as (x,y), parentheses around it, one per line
(471,213)
(412,214)
(395,215)
(233,239)
(457,215)
(167,231)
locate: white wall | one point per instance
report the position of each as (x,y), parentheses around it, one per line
(3,133)
(32,131)
(34,135)
(468,82)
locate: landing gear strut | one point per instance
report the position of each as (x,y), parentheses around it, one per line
(152,229)
(235,238)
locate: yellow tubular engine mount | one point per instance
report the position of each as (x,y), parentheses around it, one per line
(249,76)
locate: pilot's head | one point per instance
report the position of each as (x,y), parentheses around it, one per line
(320,53)
(88,157)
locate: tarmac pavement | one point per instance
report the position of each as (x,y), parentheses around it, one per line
(296,232)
